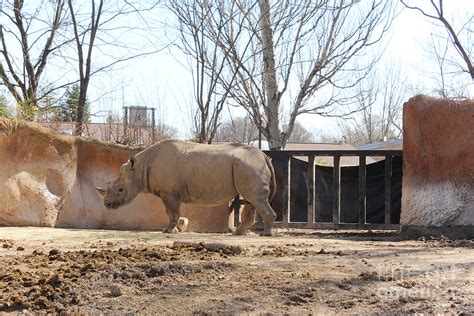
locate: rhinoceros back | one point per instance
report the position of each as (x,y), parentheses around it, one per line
(199,173)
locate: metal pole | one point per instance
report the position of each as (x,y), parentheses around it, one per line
(153,135)
(125,121)
(336,191)
(310,217)
(388,188)
(362,191)
(260,133)
(286,190)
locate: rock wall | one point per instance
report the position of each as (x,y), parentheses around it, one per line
(47,179)
(438,162)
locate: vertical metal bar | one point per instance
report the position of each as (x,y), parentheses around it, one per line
(125,120)
(288,202)
(362,191)
(286,190)
(388,188)
(153,130)
(310,218)
(336,191)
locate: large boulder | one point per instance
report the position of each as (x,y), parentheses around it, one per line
(438,158)
(36,173)
(47,179)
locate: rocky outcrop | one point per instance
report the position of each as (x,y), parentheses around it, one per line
(47,179)
(438,162)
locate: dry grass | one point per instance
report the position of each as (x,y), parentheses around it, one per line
(7,126)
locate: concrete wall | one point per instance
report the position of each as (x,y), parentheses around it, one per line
(438,170)
(47,179)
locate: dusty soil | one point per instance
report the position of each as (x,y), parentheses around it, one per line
(295,272)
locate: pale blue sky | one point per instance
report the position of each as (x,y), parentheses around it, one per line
(161,81)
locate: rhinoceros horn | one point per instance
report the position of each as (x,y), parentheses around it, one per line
(101,191)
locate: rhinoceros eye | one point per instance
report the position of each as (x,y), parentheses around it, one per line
(120,190)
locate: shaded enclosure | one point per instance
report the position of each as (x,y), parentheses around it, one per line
(349,187)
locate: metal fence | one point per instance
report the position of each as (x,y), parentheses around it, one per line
(361,206)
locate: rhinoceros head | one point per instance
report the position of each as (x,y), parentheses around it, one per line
(124,189)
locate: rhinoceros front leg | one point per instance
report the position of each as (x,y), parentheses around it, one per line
(172,203)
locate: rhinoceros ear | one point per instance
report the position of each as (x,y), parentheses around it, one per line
(132,163)
(101,191)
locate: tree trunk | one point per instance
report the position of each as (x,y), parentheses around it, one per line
(274,136)
(80,110)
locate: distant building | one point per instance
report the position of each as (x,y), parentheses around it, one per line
(392,144)
(328,160)
(137,127)
(395,144)
(113,132)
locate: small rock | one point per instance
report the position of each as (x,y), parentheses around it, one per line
(115,290)
(403,300)
(321,252)
(54,252)
(344,286)
(20,248)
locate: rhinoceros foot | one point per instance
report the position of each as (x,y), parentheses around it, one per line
(267,233)
(168,230)
(239,232)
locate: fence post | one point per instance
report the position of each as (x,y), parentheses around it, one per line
(388,188)
(286,190)
(310,218)
(362,191)
(336,191)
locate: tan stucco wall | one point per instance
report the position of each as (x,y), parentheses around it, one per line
(438,162)
(48,179)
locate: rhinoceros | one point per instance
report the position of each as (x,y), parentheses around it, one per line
(184,172)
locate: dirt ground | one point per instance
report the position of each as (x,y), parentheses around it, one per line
(294,272)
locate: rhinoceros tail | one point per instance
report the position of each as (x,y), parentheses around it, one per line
(273,179)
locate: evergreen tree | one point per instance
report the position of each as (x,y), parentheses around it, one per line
(4,108)
(68,108)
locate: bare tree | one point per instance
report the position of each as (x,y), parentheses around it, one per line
(31,38)
(94,28)
(300,134)
(449,84)
(202,27)
(381,98)
(84,58)
(239,129)
(165,131)
(465,49)
(292,52)
(328,138)
(243,130)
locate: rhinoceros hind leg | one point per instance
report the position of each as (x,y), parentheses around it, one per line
(268,215)
(172,204)
(248,217)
